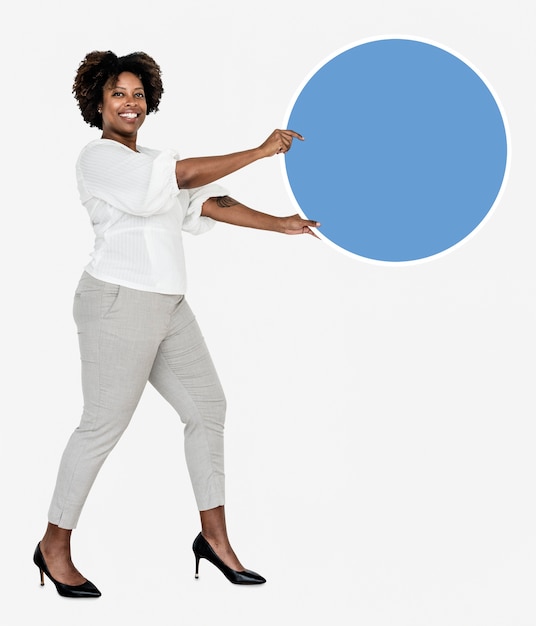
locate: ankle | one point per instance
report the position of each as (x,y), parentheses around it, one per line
(56,540)
(216,539)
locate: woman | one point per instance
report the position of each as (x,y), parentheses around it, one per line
(133,322)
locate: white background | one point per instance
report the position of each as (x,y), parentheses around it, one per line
(380,437)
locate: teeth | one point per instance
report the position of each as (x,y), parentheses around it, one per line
(129,115)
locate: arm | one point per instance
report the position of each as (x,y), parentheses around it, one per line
(196,172)
(230,211)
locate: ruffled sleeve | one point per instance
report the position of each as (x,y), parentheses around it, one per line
(194,222)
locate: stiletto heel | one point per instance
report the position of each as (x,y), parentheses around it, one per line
(203,550)
(85,590)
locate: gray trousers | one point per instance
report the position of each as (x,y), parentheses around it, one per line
(128,337)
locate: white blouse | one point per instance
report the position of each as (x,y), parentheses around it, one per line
(138,212)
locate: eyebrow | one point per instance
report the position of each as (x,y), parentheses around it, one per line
(125,89)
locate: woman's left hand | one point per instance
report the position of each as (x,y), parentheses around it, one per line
(295,225)
(278,142)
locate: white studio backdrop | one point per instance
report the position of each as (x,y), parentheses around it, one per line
(380,430)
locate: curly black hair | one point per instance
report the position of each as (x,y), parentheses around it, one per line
(97,68)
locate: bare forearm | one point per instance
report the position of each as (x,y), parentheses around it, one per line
(230,211)
(199,171)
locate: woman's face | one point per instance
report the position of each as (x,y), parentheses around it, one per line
(123,108)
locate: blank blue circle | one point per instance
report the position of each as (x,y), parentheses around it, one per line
(405,150)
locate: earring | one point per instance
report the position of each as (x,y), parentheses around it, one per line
(99,110)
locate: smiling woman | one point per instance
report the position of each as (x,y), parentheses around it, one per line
(134,324)
(123,108)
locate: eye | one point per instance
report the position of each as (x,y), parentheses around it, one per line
(117,93)
(140,95)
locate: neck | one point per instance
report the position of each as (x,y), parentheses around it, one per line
(129,142)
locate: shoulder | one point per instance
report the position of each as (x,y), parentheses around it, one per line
(99,149)
(103,146)
(109,146)
(148,151)
(152,153)
(105,153)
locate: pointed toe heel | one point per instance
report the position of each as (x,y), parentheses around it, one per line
(203,550)
(85,590)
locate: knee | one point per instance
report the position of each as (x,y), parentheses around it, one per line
(206,413)
(105,425)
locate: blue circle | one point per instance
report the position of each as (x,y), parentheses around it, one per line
(405,150)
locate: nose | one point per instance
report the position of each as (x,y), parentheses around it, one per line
(130,99)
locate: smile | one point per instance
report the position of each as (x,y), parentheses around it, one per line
(129,116)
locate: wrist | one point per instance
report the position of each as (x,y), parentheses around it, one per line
(280,224)
(258,153)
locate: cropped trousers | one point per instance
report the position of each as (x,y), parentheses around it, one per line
(128,337)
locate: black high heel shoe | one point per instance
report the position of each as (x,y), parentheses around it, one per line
(85,590)
(203,550)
